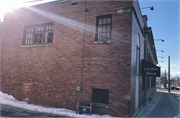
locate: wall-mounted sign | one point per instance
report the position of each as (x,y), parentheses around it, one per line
(149,69)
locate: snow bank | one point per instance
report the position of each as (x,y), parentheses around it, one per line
(10,100)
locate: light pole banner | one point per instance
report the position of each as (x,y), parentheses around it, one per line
(149,69)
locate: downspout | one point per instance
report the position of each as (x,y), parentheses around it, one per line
(82,69)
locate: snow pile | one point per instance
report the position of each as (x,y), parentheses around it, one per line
(10,100)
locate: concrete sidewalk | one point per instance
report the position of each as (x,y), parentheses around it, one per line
(162,105)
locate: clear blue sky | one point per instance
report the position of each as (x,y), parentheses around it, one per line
(164,20)
(165,23)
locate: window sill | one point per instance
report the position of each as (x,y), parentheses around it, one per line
(102,42)
(100,105)
(40,45)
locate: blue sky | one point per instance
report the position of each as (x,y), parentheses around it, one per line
(165,23)
(164,20)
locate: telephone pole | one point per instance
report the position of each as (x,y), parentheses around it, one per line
(169,86)
(165,80)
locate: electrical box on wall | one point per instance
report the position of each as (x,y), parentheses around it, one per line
(78,88)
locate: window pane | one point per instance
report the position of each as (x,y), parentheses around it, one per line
(46,40)
(104,35)
(38,38)
(100,29)
(46,35)
(50,34)
(49,39)
(108,27)
(25,42)
(31,36)
(99,36)
(108,20)
(100,21)
(30,41)
(108,35)
(104,20)
(52,27)
(104,28)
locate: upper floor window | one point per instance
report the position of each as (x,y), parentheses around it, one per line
(103,29)
(38,34)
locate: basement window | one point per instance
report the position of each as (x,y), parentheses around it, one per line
(40,34)
(100,96)
(74,3)
(103,29)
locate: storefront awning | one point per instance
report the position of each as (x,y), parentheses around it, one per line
(149,69)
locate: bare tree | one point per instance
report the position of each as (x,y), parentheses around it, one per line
(163,80)
(175,80)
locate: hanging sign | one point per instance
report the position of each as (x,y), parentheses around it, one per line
(149,69)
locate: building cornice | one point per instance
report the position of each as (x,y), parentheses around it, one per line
(149,40)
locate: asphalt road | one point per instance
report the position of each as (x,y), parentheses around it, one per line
(9,111)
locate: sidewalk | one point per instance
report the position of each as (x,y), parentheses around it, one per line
(162,105)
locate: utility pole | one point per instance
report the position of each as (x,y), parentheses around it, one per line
(169,86)
(165,79)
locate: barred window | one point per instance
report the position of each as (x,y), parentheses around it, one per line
(103,30)
(38,34)
(100,96)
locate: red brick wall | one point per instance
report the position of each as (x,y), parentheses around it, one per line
(49,75)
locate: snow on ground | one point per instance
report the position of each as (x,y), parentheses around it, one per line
(10,100)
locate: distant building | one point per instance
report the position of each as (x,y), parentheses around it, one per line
(50,50)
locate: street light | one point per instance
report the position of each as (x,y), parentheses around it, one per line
(160,50)
(160,57)
(159,64)
(159,40)
(151,8)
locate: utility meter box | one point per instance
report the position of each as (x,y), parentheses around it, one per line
(78,88)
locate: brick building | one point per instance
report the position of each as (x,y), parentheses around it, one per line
(0,27)
(49,50)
